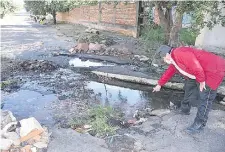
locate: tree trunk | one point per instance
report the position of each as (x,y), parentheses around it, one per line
(54,16)
(174,32)
(165,20)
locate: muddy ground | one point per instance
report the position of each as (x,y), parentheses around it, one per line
(38,83)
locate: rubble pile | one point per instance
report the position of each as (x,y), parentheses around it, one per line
(98,44)
(93,43)
(37,66)
(26,135)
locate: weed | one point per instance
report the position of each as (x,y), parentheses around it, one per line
(4,84)
(97,117)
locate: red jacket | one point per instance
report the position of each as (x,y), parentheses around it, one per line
(205,66)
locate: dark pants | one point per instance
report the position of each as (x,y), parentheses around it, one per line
(192,95)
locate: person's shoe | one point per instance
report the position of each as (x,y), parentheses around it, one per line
(196,127)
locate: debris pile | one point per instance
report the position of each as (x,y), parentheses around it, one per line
(91,30)
(223,101)
(98,44)
(37,66)
(26,135)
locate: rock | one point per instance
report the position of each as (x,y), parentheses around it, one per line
(41,145)
(10,127)
(5,144)
(72,50)
(28,125)
(91,30)
(144,58)
(14,137)
(6,118)
(160,112)
(33,149)
(141,120)
(132,121)
(141,57)
(82,47)
(95,47)
(87,126)
(222,103)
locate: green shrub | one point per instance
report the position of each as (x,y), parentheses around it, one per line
(188,36)
(153,33)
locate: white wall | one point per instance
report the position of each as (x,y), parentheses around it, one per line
(213,40)
(214,37)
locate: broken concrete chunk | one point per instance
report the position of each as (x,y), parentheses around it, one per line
(41,145)
(28,125)
(72,50)
(91,30)
(5,144)
(10,126)
(95,47)
(14,137)
(82,47)
(33,149)
(160,112)
(6,118)
(141,120)
(31,135)
(222,103)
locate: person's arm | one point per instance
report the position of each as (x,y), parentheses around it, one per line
(167,75)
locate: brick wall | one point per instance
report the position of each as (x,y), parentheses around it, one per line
(119,18)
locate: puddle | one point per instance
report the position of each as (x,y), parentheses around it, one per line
(88,63)
(129,100)
(26,103)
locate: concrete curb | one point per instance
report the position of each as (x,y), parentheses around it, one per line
(134,79)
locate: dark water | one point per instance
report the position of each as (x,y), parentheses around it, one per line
(36,101)
(129,100)
(26,103)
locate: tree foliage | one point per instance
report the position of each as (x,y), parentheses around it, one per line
(204,13)
(7,6)
(52,6)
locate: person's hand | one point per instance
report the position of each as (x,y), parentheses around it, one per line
(202,86)
(156,88)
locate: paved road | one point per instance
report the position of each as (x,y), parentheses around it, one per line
(25,39)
